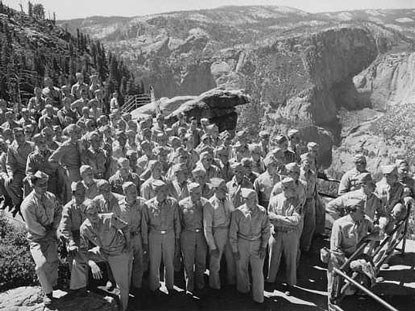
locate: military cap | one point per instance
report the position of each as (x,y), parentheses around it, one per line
(179,167)
(198,170)
(401,162)
(279,139)
(130,152)
(160,150)
(236,166)
(238,144)
(160,117)
(204,154)
(41,175)
(365,178)
(312,145)
(240,134)
(292,167)
(277,151)
(192,186)
(174,139)
(263,134)
(207,149)
(288,182)
(145,144)
(36,138)
(222,150)
(216,182)
(101,183)
(204,120)
(204,136)
(152,164)
(246,161)
(123,162)
(306,156)
(246,193)
(158,184)
(77,185)
(169,131)
(255,148)
(85,168)
(292,132)
(389,169)
(353,204)
(120,133)
(17,130)
(224,134)
(359,158)
(270,160)
(93,135)
(127,185)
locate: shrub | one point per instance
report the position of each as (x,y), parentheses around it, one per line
(16,264)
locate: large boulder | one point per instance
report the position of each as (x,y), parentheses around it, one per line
(218,105)
(30,299)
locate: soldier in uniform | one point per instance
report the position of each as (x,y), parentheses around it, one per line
(16,160)
(42,214)
(73,215)
(235,185)
(248,235)
(161,234)
(193,243)
(216,222)
(348,181)
(123,175)
(265,182)
(111,239)
(284,212)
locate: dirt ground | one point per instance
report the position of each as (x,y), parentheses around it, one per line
(398,289)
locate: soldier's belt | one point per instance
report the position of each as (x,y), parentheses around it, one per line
(250,239)
(194,230)
(220,228)
(284,230)
(162,232)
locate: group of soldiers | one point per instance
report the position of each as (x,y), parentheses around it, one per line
(139,194)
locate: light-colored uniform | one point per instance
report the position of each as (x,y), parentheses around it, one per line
(160,227)
(309,180)
(40,212)
(345,236)
(349,181)
(193,243)
(248,233)
(132,214)
(110,244)
(285,217)
(73,215)
(16,169)
(216,222)
(69,156)
(264,185)
(110,206)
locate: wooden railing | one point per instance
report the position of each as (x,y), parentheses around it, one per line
(134,101)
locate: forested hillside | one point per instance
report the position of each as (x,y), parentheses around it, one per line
(33,47)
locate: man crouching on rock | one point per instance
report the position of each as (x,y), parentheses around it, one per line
(73,215)
(42,215)
(111,238)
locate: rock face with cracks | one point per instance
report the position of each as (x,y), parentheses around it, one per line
(218,105)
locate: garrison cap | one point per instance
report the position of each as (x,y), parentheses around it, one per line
(246,161)
(270,160)
(85,168)
(222,150)
(292,167)
(352,204)
(279,139)
(198,170)
(158,184)
(101,183)
(204,136)
(306,156)
(123,162)
(192,186)
(236,166)
(224,134)
(246,193)
(216,182)
(401,162)
(179,167)
(288,182)
(263,134)
(77,185)
(292,132)
(365,178)
(127,185)
(39,175)
(17,130)
(389,169)
(152,164)
(359,158)
(255,148)
(312,145)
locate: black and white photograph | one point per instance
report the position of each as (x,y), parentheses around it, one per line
(187,155)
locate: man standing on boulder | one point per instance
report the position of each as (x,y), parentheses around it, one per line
(42,215)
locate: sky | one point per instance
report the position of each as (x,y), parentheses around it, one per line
(68,9)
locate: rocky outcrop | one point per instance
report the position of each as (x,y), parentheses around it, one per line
(218,105)
(388,81)
(30,299)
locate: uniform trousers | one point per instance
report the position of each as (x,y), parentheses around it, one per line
(194,250)
(249,257)
(222,243)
